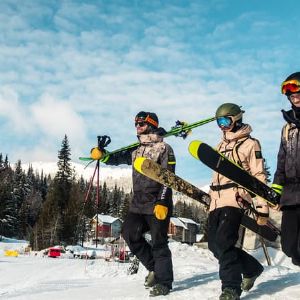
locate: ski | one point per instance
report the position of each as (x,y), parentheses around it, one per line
(180,129)
(219,163)
(154,171)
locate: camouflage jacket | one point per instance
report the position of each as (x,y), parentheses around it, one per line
(146,192)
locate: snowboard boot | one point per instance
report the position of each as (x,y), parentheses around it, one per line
(229,294)
(248,282)
(149,280)
(159,290)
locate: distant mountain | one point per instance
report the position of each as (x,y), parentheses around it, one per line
(120,176)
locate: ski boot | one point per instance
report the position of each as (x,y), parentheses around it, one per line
(229,294)
(248,282)
(149,280)
(159,290)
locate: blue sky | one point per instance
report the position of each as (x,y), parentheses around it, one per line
(85,68)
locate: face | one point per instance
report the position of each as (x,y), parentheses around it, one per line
(141,128)
(295,99)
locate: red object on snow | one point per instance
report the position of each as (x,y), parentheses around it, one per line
(54,252)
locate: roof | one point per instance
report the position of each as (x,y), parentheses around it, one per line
(187,221)
(177,222)
(106,218)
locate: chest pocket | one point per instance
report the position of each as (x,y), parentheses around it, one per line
(150,151)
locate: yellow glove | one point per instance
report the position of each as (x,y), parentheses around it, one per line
(160,211)
(96,153)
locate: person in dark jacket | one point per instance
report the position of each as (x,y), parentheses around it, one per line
(287,176)
(151,206)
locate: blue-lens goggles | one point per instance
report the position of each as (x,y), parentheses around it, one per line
(224,122)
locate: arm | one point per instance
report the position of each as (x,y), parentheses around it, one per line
(279,176)
(168,161)
(118,158)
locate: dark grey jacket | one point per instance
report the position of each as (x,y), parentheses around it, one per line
(146,192)
(288,162)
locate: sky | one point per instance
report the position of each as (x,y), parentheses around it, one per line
(86,68)
(30,277)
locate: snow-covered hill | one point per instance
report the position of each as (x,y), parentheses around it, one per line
(121,176)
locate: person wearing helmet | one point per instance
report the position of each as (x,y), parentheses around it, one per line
(287,175)
(151,206)
(237,269)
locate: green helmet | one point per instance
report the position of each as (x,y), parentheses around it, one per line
(230,110)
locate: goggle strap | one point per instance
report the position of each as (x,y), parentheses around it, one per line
(148,119)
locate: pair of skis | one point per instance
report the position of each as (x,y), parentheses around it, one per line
(220,164)
(181,129)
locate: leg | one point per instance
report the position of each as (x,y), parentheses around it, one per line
(133,228)
(163,267)
(290,239)
(229,256)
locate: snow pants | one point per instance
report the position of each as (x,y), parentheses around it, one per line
(223,233)
(157,256)
(290,232)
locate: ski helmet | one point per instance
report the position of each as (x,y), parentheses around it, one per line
(291,84)
(229,110)
(148,117)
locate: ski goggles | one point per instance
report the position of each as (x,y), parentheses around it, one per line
(290,86)
(224,122)
(145,121)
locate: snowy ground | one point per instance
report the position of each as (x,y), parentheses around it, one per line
(195,271)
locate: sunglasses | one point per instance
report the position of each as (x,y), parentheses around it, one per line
(224,122)
(140,124)
(289,87)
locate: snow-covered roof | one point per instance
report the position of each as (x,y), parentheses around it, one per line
(106,218)
(177,222)
(187,221)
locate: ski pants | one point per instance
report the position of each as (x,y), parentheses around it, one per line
(223,233)
(290,233)
(157,256)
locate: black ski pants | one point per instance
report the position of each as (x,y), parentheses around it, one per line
(290,232)
(223,233)
(157,256)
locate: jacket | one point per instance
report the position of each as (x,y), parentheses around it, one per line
(146,192)
(244,150)
(287,173)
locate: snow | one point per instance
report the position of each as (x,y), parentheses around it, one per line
(30,277)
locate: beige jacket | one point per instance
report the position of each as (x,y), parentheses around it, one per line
(241,148)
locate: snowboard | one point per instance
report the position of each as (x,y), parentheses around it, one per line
(181,129)
(164,176)
(219,163)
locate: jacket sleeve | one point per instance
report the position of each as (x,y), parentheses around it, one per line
(118,158)
(257,169)
(279,176)
(167,161)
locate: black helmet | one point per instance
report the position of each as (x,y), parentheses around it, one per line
(291,84)
(148,117)
(230,110)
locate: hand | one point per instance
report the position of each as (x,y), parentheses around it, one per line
(160,211)
(96,153)
(261,221)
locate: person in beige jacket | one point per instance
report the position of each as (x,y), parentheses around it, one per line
(237,269)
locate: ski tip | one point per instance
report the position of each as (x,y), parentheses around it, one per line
(193,148)
(138,164)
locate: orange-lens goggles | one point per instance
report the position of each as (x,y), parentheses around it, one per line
(290,87)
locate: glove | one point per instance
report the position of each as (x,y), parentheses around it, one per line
(261,221)
(160,211)
(96,153)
